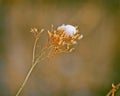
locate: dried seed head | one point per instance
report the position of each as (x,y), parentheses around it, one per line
(63,38)
(36,32)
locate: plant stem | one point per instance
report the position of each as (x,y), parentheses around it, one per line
(110,92)
(35,61)
(26,78)
(34,49)
(31,69)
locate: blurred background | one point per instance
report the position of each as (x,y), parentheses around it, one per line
(88,71)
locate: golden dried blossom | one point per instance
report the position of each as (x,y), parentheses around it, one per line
(63,38)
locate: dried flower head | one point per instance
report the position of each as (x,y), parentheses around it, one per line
(60,40)
(63,38)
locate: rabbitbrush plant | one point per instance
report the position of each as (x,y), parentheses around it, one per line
(60,40)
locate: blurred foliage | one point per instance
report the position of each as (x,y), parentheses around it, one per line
(1,28)
(113,6)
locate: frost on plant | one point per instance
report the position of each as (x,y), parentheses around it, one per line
(63,38)
(60,39)
(68,29)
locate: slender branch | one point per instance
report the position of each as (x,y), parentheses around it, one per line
(34,49)
(111,91)
(38,59)
(31,69)
(26,79)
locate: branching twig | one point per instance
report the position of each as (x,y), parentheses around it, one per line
(113,90)
(59,41)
